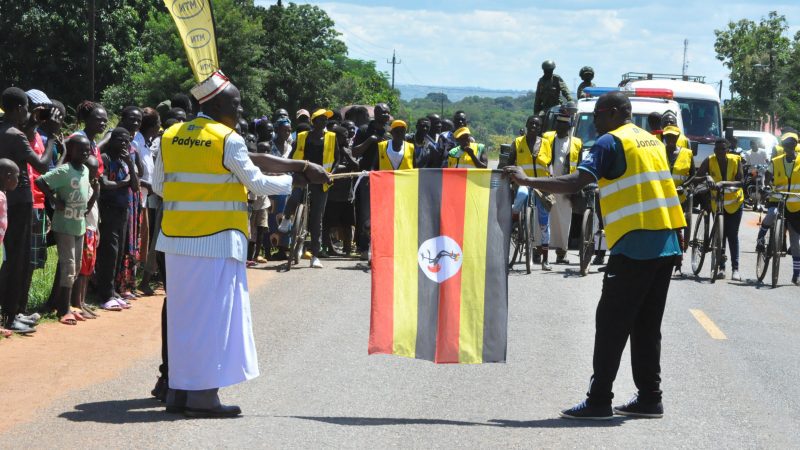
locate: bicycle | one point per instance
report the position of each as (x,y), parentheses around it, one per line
(775,243)
(588,233)
(754,186)
(711,239)
(298,232)
(522,235)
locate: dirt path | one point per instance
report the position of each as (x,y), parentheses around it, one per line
(60,359)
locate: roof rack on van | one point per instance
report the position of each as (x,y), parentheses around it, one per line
(636,76)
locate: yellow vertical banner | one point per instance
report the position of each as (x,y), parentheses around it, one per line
(195,22)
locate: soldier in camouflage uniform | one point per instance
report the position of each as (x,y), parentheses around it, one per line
(550,89)
(587,75)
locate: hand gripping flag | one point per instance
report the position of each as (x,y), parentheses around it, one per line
(439,249)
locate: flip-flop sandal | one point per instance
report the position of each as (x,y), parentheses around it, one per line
(6,333)
(111,305)
(128,295)
(123,304)
(85,312)
(78,316)
(68,319)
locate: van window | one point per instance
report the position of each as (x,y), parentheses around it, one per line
(588,134)
(701,121)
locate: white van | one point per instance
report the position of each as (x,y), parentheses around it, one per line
(699,107)
(641,107)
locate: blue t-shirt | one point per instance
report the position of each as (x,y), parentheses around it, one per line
(606,159)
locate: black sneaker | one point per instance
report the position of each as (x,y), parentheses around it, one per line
(635,408)
(585,411)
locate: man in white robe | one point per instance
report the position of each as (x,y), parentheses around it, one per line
(209,329)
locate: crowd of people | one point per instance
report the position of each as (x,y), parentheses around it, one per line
(86,188)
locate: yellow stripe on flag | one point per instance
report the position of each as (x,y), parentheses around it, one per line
(406,196)
(473,279)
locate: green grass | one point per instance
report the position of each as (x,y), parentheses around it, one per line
(43,281)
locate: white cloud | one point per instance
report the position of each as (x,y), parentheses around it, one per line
(503,48)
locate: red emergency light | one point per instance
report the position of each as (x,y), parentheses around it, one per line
(636,92)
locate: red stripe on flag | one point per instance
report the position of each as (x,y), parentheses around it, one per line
(454,189)
(381,336)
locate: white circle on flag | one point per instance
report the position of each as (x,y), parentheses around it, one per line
(440,258)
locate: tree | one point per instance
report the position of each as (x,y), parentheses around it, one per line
(754,53)
(159,69)
(301,48)
(45,44)
(362,84)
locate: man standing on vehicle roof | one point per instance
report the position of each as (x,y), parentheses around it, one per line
(587,75)
(549,90)
(641,212)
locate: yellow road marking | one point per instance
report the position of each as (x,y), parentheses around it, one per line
(711,328)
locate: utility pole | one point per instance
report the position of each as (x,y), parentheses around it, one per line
(91,48)
(394,62)
(685,67)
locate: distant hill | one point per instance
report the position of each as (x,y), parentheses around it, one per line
(412,91)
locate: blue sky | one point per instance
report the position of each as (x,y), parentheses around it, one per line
(501,44)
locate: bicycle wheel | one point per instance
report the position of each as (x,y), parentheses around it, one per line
(763,258)
(699,242)
(587,241)
(297,240)
(529,218)
(717,250)
(776,242)
(689,216)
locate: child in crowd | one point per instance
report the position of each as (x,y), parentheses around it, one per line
(9,177)
(67,187)
(90,240)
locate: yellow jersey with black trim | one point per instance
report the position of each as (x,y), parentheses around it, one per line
(733,198)
(463,159)
(682,168)
(385,163)
(575,146)
(201,196)
(524,158)
(787,181)
(328,152)
(644,197)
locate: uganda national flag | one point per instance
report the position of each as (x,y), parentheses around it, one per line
(439,250)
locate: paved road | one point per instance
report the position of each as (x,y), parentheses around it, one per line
(320,389)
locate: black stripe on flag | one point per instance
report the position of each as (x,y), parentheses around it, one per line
(498,234)
(429,213)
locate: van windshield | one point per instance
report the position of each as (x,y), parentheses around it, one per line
(588,134)
(701,120)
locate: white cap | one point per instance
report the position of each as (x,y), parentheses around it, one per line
(211,87)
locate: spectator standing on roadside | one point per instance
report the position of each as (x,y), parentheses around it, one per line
(366,148)
(67,187)
(120,175)
(131,120)
(14,145)
(90,242)
(9,177)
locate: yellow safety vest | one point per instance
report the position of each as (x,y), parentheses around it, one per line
(644,197)
(787,182)
(682,168)
(733,199)
(574,151)
(465,159)
(683,141)
(779,151)
(201,196)
(328,152)
(384,163)
(525,158)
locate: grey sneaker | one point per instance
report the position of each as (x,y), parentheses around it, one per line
(546,266)
(635,408)
(735,276)
(315,263)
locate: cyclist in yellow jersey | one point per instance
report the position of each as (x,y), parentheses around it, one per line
(726,171)
(641,212)
(681,166)
(785,173)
